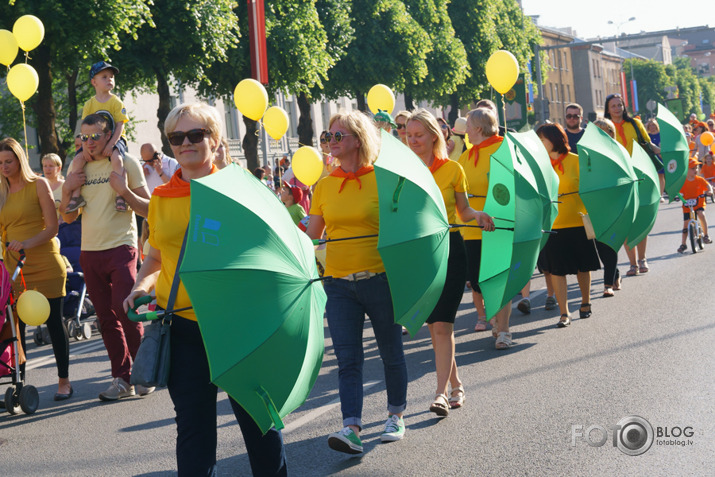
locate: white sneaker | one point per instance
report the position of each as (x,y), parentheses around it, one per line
(394,429)
(143,390)
(117,390)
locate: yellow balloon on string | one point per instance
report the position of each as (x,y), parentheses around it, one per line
(22,81)
(276,122)
(307,165)
(502,70)
(380,97)
(251,98)
(33,308)
(29,32)
(8,47)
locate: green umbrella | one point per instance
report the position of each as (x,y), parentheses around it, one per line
(648,196)
(251,276)
(509,255)
(674,150)
(413,240)
(607,186)
(547,181)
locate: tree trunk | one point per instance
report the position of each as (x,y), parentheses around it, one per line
(409,102)
(305,121)
(361,103)
(454,108)
(250,144)
(44,106)
(162,87)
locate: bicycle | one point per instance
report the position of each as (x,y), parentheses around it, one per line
(695,230)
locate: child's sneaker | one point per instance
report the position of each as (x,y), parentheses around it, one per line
(707,239)
(394,429)
(682,248)
(75,203)
(345,440)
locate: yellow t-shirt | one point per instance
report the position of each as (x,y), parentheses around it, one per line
(350,213)
(570,205)
(168,219)
(113,106)
(450,178)
(477,183)
(631,135)
(103,228)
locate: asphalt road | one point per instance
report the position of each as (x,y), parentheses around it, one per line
(647,352)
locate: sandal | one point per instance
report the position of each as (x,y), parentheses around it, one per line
(504,341)
(608,292)
(584,313)
(120,204)
(633,271)
(440,405)
(481,325)
(563,323)
(75,203)
(643,266)
(457,398)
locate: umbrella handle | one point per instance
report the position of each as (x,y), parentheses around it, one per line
(142,300)
(322,241)
(271,408)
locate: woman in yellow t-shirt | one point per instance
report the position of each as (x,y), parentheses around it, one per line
(482,129)
(194,132)
(346,204)
(427,141)
(628,130)
(569,251)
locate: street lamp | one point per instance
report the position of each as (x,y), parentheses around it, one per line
(619,25)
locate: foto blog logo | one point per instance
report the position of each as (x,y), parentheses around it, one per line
(632,435)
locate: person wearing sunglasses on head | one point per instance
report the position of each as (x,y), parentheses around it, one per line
(345,203)
(158,167)
(194,132)
(401,119)
(109,247)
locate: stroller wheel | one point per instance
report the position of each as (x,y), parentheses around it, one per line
(12,401)
(73,331)
(86,330)
(37,337)
(29,399)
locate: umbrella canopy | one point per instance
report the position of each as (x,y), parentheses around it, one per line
(674,150)
(547,181)
(513,200)
(607,186)
(648,196)
(251,276)
(412,241)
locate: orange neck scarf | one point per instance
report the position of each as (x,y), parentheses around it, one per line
(339,172)
(620,133)
(557,163)
(437,163)
(177,186)
(474,151)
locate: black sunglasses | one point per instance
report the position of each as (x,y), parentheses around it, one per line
(324,140)
(93,137)
(573,116)
(401,126)
(337,135)
(195,136)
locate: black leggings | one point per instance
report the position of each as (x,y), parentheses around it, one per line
(609,258)
(58,335)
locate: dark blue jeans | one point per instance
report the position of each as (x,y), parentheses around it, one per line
(194,398)
(348,303)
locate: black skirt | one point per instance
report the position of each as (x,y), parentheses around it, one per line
(451,297)
(569,251)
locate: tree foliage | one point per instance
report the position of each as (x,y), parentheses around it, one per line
(651,79)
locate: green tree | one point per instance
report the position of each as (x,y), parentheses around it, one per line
(446,62)
(651,79)
(682,74)
(77,33)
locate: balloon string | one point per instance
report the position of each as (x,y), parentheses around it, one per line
(24,126)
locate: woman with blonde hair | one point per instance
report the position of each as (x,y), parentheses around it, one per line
(222,157)
(427,141)
(401,119)
(28,221)
(346,204)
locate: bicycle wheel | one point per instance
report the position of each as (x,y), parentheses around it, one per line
(692,233)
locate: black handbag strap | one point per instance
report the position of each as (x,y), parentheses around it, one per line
(641,140)
(175,282)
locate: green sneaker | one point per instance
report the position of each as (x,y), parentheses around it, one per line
(394,429)
(345,440)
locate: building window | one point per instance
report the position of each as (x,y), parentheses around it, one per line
(566,64)
(568,92)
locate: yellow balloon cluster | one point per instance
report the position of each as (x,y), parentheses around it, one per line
(380,97)
(33,308)
(22,81)
(8,47)
(502,71)
(251,100)
(307,165)
(29,31)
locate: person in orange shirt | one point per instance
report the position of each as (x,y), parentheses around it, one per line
(694,187)
(707,171)
(428,143)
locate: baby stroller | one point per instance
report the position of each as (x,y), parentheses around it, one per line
(18,395)
(77,306)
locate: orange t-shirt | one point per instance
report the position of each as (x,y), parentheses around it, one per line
(708,172)
(692,189)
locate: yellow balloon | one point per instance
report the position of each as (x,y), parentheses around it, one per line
(707,138)
(380,97)
(276,122)
(307,165)
(33,308)
(8,47)
(251,98)
(22,81)
(502,71)
(29,31)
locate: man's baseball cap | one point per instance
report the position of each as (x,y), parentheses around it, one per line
(384,117)
(101,66)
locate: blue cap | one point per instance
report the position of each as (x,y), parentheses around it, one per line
(101,66)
